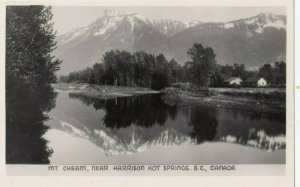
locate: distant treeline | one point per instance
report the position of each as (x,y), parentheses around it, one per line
(274,73)
(122,68)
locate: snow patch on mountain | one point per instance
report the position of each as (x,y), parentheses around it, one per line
(129,31)
(259,30)
(258,23)
(141,17)
(228,25)
(111,19)
(131,22)
(192,23)
(171,27)
(74,34)
(108,24)
(279,24)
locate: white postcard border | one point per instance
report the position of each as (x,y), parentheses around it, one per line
(285,180)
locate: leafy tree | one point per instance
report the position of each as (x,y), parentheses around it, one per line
(175,71)
(239,71)
(159,81)
(280,73)
(122,68)
(98,72)
(202,66)
(274,74)
(30,68)
(267,72)
(218,77)
(29,43)
(226,71)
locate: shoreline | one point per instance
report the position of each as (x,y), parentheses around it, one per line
(249,99)
(219,99)
(101,91)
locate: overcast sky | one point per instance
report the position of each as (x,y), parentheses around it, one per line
(68,17)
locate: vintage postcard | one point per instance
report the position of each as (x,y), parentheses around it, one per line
(127,90)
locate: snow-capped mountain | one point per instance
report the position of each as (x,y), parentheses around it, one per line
(111,20)
(251,41)
(258,23)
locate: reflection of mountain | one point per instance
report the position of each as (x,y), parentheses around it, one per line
(132,124)
(259,139)
(266,142)
(262,130)
(112,144)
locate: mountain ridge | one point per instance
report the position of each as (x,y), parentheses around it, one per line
(122,30)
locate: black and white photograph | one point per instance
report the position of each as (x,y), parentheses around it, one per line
(142,85)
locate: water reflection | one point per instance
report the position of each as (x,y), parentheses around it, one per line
(204,123)
(26,105)
(136,123)
(144,111)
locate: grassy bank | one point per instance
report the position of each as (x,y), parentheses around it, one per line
(101,91)
(258,99)
(275,94)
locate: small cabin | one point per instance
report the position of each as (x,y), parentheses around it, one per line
(255,82)
(233,81)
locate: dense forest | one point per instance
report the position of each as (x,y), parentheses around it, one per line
(122,68)
(30,68)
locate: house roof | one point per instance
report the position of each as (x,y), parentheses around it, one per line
(232,78)
(253,79)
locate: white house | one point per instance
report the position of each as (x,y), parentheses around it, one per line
(255,82)
(233,81)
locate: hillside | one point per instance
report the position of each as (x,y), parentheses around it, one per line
(251,41)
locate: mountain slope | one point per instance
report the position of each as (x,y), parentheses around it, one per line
(252,41)
(124,31)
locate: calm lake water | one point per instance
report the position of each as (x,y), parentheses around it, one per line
(131,125)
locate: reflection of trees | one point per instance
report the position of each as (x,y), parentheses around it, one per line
(204,123)
(259,129)
(89,101)
(275,124)
(25,107)
(143,110)
(147,110)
